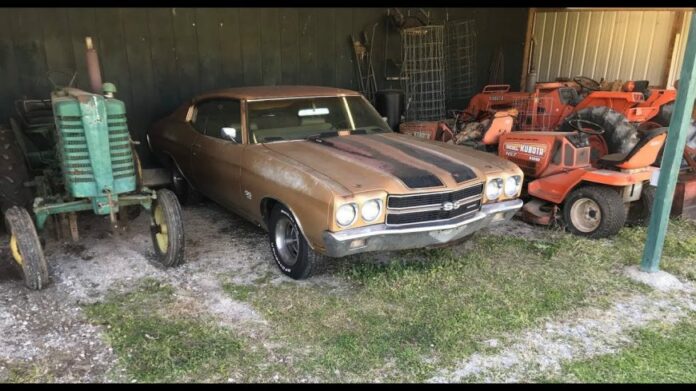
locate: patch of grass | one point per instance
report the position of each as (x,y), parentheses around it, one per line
(679,254)
(659,356)
(156,348)
(237,291)
(27,373)
(428,308)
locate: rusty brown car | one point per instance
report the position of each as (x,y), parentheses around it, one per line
(323,173)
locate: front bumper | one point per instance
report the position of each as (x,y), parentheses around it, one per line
(385,238)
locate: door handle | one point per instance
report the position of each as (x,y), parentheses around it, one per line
(195,148)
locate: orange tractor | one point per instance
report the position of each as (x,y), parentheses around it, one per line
(593,201)
(552,105)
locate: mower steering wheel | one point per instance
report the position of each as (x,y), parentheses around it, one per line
(581,125)
(587,83)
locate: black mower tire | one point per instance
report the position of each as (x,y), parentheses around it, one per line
(642,209)
(611,206)
(13,173)
(307,258)
(167,229)
(33,264)
(664,116)
(619,134)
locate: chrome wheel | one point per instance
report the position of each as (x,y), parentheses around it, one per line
(287,240)
(586,215)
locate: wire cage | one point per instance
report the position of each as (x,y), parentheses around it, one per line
(533,113)
(423,72)
(460,60)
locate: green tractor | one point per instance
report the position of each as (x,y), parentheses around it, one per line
(76,152)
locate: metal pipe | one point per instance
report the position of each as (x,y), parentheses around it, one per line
(93,69)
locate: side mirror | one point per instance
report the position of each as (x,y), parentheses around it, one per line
(229,134)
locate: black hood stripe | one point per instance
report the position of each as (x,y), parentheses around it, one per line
(413,177)
(460,172)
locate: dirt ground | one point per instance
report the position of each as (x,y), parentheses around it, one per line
(48,329)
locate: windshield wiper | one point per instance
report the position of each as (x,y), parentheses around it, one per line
(321,135)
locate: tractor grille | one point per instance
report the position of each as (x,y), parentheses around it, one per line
(433,207)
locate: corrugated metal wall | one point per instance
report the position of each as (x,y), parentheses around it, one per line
(626,45)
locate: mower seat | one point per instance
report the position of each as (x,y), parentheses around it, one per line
(643,154)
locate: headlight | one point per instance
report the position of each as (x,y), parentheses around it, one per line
(512,185)
(346,214)
(493,188)
(371,209)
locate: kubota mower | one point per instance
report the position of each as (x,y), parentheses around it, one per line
(563,184)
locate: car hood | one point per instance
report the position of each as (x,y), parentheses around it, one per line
(389,161)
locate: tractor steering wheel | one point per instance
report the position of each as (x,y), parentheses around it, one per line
(585,126)
(587,83)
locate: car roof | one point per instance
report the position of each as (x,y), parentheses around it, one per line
(275,92)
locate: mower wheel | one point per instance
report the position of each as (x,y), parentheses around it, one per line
(640,211)
(167,229)
(664,116)
(25,248)
(619,135)
(13,173)
(594,211)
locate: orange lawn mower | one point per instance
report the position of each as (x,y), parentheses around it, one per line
(563,185)
(553,104)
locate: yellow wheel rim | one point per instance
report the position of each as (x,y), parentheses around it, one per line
(15,250)
(162,237)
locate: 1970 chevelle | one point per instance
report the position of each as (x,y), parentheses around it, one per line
(326,176)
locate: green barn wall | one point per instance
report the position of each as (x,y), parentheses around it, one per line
(158,57)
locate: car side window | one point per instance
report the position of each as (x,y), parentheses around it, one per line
(214,115)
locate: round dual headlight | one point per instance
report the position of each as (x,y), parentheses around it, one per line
(346,215)
(512,185)
(371,209)
(494,188)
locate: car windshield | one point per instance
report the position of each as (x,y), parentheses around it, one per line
(302,118)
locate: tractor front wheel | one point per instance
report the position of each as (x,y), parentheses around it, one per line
(25,248)
(594,212)
(167,229)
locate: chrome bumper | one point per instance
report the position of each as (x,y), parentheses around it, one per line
(385,238)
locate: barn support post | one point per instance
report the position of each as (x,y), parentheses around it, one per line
(672,156)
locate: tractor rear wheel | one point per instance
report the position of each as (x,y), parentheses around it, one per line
(594,211)
(620,136)
(13,173)
(167,229)
(664,116)
(25,248)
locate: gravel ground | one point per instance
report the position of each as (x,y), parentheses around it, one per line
(48,330)
(539,353)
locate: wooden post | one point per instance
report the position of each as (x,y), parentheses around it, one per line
(672,156)
(527,44)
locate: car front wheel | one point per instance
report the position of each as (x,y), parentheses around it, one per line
(290,249)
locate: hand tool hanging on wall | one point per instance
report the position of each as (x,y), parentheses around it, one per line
(363,60)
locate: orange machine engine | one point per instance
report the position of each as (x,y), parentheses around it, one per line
(545,153)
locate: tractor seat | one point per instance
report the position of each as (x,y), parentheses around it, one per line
(642,155)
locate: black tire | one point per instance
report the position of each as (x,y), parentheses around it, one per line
(167,229)
(181,187)
(305,258)
(619,134)
(640,211)
(13,173)
(664,116)
(25,241)
(612,214)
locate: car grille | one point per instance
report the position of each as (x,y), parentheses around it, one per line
(433,207)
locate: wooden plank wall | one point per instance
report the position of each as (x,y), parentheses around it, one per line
(158,57)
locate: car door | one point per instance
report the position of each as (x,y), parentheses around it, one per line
(216,155)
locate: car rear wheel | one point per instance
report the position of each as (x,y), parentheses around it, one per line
(290,249)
